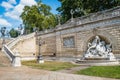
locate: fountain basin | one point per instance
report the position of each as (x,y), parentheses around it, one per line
(97,62)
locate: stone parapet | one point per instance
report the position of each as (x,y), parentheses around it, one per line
(94,18)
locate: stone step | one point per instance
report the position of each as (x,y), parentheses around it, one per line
(4,61)
(94,61)
(97,62)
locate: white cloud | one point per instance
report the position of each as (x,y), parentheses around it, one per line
(18,9)
(7,5)
(28,2)
(14,14)
(11,15)
(4,22)
(12,1)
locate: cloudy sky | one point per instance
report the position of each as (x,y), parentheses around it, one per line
(10,11)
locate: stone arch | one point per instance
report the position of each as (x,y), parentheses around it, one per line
(92,37)
(102,38)
(104,35)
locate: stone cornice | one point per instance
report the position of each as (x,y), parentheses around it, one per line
(97,19)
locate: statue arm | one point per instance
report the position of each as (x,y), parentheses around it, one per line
(89,44)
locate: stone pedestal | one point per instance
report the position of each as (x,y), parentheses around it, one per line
(40,59)
(16,61)
(111,57)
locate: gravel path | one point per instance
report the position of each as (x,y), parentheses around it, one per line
(27,73)
(74,69)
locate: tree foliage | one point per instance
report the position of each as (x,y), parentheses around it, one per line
(84,7)
(38,16)
(13,33)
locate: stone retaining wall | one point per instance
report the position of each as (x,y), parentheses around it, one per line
(105,24)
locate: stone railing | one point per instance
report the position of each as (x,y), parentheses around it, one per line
(13,42)
(91,18)
(16,40)
(14,57)
(46,31)
(27,36)
(101,15)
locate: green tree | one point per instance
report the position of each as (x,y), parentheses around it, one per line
(84,7)
(38,16)
(13,33)
(100,5)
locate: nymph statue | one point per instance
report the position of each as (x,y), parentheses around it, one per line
(99,49)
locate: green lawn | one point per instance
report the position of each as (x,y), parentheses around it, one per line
(49,65)
(102,71)
(2,65)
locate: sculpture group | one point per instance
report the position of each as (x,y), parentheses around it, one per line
(99,49)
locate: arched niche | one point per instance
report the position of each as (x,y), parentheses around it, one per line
(102,38)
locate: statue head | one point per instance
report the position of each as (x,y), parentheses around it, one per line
(97,37)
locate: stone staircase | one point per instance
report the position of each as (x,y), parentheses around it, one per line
(10,56)
(4,61)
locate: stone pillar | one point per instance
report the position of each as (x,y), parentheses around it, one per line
(16,61)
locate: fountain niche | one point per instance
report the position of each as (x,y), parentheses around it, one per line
(98,52)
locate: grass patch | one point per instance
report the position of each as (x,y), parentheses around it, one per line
(49,65)
(102,71)
(1,65)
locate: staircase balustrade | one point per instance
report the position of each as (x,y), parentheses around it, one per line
(14,56)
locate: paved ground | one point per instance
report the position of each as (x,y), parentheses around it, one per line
(4,59)
(74,69)
(27,73)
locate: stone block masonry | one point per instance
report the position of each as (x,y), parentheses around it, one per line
(71,38)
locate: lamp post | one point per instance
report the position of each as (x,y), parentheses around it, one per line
(39,43)
(40,57)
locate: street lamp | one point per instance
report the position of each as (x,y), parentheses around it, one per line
(39,42)
(40,57)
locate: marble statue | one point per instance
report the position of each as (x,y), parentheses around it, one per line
(3,30)
(72,13)
(99,49)
(20,30)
